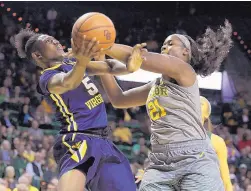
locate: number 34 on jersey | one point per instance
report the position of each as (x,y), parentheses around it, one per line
(156,111)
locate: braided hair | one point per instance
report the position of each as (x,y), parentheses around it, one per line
(209,51)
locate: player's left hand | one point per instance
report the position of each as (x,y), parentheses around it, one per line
(136,59)
(139,175)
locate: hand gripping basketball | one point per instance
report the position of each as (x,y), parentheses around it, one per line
(86,51)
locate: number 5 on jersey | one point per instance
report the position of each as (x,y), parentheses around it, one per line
(91,88)
(155,110)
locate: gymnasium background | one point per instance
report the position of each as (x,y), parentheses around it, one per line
(27,125)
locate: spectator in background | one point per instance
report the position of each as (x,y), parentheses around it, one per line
(16,142)
(10,177)
(4,184)
(50,157)
(17,98)
(35,132)
(233,153)
(5,152)
(43,155)
(2,95)
(25,181)
(241,176)
(9,73)
(239,136)
(41,116)
(51,140)
(22,187)
(240,100)
(5,120)
(52,186)
(4,188)
(51,14)
(232,169)
(27,101)
(3,132)
(245,157)
(235,183)
(35,168)
(19,162)
(25,117)
(50,172)
(248,188)
(29,154)
(246,183)
(123,134)
(10,134)
(32,143)
(5,90)
(24,136)
(245,117)
(245,141)
(30,182)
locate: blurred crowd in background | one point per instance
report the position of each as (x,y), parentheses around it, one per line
(28,126)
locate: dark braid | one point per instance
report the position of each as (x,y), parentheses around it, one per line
(24,43)
(209,51)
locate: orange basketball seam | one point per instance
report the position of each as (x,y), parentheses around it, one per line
(86,20)
(95,28)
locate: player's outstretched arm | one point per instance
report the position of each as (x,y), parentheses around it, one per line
(115,67)
(63,82)
(119,99)
(125,99)
(170,66)
(111,66)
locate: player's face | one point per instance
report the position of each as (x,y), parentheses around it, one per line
(173,46)
(51,48)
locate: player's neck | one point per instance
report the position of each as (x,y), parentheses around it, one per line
(54,63)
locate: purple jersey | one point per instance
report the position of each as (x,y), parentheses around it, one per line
(79,109)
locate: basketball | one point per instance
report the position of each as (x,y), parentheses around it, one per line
(94,25)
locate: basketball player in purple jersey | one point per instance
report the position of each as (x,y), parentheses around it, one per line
(85,157)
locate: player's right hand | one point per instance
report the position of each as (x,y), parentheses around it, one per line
(88,50)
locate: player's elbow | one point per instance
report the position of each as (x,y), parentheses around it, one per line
(70,85)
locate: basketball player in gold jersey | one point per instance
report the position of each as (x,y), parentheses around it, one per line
(217,142)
